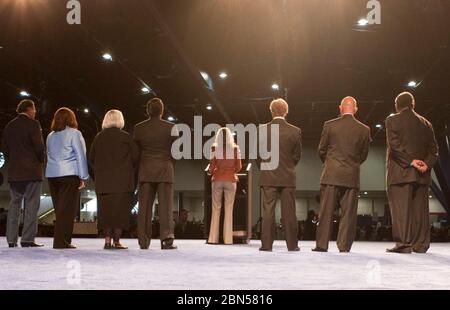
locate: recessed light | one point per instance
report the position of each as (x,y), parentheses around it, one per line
(379,126)
(223,75)
(145,90)
(209,107)
(275,86)
(412,84)
(363,22)
(24,93)
(86,110)
(171,118)
(107,57)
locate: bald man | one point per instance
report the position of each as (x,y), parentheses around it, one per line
(343,147)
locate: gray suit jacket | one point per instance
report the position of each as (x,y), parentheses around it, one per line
(290,151)
(154,139)
(343,147)
(409,136)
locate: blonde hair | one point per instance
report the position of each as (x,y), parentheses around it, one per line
(224,141)
(279,107)
(113,119)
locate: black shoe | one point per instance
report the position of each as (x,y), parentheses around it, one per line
(317,249)
(168,244)
(265,250)
(400,250)
(30,245)
(67,246)
(12,245)
(344,251)
(107,246)
(419,251)
(296,249)
(118,246)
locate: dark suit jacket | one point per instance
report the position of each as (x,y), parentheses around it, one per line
(409,136)
(290,151)
(24,149)
(343,147)
(113,158)
(154,139)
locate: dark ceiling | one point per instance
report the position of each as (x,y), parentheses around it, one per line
(313,49)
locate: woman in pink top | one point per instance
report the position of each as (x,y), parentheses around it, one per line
(225,163)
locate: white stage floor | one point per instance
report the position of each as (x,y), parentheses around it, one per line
(196,265)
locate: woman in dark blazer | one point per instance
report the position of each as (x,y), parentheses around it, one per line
(114,158)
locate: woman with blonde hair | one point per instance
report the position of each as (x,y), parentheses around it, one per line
(114,158)
(225,163)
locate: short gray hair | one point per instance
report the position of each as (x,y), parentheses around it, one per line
(113,119)
(279,107)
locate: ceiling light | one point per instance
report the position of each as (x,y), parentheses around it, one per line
(145,90)
(275,86)
(86,110)
(363,22)
(379,126)
(365,193)
(107,57)
(171,119)
(209,107)
(412,84)
(223,75)
(24,93)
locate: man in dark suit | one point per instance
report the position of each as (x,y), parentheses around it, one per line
(24,149)
(412,153)
(278,178)
(156,174)
(343,147)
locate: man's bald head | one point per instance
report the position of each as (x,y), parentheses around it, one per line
(348,106)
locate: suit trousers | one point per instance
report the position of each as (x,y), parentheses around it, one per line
(219,189)
(330,197)
(66,201)
(409,206)
(28,193)
(147,195)
(288,216)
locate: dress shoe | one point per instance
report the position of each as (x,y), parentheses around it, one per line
(296,249)
(118,246)
(67,246)
(30,245)
(107,246)
(168,244)
(265,250)
(401,250)
(143,247)
(344,251)
(12,245)
(317,249)
(419,251)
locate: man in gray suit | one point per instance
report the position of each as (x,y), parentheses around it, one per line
(24,149)
(412,153)
(156,174)
(279,181)
(343,147)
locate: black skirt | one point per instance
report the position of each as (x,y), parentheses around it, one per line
(114,210)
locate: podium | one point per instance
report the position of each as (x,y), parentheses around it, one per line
(242,209)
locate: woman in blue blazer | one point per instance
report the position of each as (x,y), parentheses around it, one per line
(67,173)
